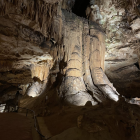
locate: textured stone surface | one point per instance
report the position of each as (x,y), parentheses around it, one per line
(56,45)
(121,23)
(65,53)
(68,49)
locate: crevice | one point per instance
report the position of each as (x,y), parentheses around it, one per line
(74,60)
(80,7)
(70,69)
(137,65)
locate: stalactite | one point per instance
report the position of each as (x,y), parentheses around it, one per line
(38,10)
(41,71)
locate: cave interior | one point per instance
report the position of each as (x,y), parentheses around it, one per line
(70,69)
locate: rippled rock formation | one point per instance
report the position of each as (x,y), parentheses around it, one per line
(40,40)
(70,53)
(62,45)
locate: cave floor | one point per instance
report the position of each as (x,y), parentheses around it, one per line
(58,120)
(14,126)
(108,121)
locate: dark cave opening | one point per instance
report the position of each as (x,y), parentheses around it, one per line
(60,76)
(80,6)
(137,65)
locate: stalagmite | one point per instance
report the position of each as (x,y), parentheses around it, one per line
(64,59)
(76,46)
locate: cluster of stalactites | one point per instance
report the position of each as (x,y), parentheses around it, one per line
(40,71)
(36,10)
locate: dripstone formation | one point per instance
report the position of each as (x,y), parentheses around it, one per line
(66,60)
(58,44)
(56,36)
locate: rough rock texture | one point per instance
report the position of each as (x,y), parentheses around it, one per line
(121,24)
(66,53)
(40,41)
(105,122)
(52,41)
(21,57)
(120,20)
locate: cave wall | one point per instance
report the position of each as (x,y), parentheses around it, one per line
(121,24)
(55,36)
(63,42)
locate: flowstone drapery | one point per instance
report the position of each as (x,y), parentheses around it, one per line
(68,51)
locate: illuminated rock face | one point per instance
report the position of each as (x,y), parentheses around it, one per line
(40,71)
(2,107)
(93,13)
(57,46)
(35,89)
(84,49)
(120,20)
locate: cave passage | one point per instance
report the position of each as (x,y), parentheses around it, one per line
(80,7)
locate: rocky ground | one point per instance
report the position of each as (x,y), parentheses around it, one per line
(109,120)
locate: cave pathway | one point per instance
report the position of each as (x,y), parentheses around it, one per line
(14,126)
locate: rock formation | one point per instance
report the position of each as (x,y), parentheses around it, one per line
(121,23)
(48,42)
(93,12)
(70,53)
(37,36)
